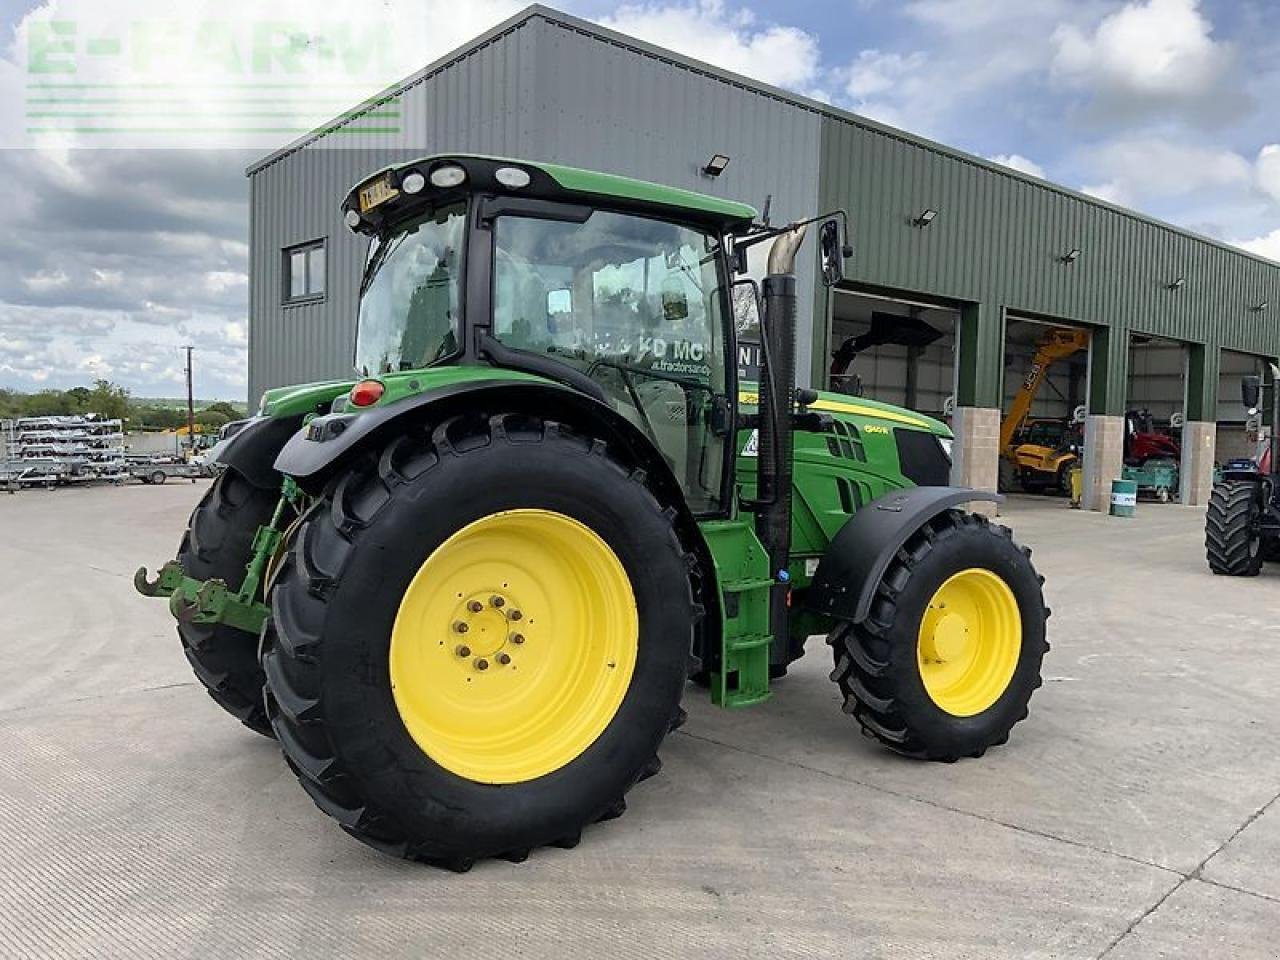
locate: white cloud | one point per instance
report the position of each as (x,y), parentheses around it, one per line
(45,280)
(1267,245)
(1157,50)
(1151,167)
(1017,161)
(1267,170)
(733,40)
(875,72)
(1111,192)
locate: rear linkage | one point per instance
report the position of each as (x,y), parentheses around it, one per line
(212,601)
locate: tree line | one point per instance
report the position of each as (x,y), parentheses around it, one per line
(113,401)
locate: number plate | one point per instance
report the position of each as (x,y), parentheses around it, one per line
(372,194)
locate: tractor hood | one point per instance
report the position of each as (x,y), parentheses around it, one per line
(857,407)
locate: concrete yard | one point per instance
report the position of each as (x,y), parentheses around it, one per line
(1133,815)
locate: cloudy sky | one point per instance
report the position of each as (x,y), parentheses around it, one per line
(124,134)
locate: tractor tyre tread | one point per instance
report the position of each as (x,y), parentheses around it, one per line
(293,643)
(875,660)
(217,544)
(1227,539)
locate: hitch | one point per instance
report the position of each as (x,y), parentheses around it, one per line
(212,601)
(202,601)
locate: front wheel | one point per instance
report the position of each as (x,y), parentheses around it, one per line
(947,659)
(478,645)
(1232,540)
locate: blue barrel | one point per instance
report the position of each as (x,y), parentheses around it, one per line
(1124,497)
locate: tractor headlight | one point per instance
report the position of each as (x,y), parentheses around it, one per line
(945,443)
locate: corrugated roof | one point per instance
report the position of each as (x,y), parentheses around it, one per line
(567,21)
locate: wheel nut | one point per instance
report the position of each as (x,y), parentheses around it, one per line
(475,606)
(482,663)
(463,650)
(515,614)
(460,627)
(497,601)
(517,638)
(503,658)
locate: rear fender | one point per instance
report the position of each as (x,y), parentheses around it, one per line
(253,448)
(329,443)
(849,572)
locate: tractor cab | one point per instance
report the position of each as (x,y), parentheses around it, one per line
(613,287)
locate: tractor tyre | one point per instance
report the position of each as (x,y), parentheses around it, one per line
(479,642)
(218,543)
(1233,544)
(1062,482)
(941,685)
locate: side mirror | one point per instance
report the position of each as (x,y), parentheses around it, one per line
(832,251)
(1251,392)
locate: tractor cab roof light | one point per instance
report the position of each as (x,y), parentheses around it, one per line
(449,175)
(512,177)
(352,219)
(413,182)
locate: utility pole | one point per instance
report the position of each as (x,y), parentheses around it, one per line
(191,408)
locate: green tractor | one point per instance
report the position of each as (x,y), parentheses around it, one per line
(466,591)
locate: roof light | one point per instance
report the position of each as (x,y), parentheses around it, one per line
(512,177)
(352,219)
(715,166)
(366,393)
(926,217)
(413,182)
(450,175)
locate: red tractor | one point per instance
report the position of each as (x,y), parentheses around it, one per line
(1144,442)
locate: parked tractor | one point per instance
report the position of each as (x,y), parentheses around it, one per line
(465,591)
(1242,523)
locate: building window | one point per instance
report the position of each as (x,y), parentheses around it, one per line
(304,272)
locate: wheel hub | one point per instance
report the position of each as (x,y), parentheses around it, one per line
(485,623)
(969,642)
(514,646)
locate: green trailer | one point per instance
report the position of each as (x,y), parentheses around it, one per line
(466,589)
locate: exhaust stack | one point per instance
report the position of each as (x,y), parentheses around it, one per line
(776,403)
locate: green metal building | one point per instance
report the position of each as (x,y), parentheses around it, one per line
(980,254)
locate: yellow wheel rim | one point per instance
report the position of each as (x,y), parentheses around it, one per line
(969,643)
(514,646)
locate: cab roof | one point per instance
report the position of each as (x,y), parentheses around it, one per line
(547,181)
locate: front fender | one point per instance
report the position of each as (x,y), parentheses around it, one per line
(857,557)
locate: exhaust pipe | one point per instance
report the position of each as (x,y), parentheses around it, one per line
(776,403)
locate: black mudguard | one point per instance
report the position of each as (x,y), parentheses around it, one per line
(313,455)
(857,557)
(253,448)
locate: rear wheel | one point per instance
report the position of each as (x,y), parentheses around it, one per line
(947,660)
(218,543)
(1233,543)
(500,678)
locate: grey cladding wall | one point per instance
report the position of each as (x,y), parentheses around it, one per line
(542,90)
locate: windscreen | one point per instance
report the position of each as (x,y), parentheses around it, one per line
(409,300)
